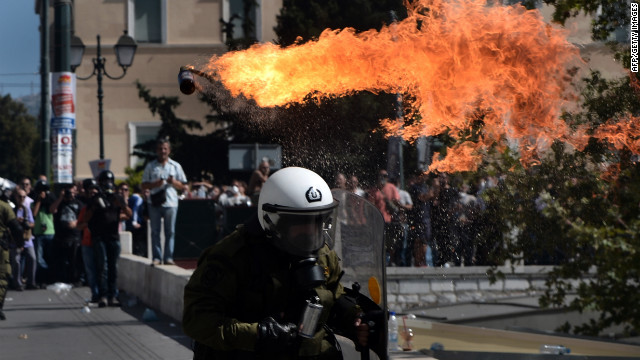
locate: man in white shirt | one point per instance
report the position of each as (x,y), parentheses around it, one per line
(164,177)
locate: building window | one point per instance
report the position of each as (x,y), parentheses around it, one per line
(234,10)
(146,18)
(139,133)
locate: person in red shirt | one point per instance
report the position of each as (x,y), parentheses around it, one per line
(88,258)
(386,197)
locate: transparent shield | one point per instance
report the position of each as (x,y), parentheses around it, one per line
(359,242)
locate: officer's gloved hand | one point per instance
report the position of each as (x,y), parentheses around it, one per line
(275,337)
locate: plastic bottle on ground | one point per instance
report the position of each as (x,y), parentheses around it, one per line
(393,331)
(554,349)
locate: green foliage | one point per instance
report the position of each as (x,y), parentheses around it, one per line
(607,99)
(134,176)
(565,213)
(18,140)
(608,15)
(578,210)
(196,153)
(609,251)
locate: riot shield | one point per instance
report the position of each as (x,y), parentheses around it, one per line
(359,242)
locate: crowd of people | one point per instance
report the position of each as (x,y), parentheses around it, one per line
(432,221)
(72,236)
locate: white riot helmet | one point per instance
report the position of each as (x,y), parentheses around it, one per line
(6,187)
(297,211)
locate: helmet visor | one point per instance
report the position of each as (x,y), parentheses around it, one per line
(301,232)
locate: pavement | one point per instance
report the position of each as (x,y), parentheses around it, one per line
(58,324)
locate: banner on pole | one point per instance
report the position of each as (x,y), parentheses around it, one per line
(63,100)
(62,155)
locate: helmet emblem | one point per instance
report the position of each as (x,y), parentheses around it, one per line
(313,195)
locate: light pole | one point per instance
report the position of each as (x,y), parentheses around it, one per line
(125,50)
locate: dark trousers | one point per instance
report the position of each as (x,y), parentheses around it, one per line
(107,253)
(67,261)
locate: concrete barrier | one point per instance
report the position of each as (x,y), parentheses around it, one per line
(159,287)
(409,288)
(162,287)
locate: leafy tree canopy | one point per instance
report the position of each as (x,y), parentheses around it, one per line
(18,140)
(608,15)
(579,210)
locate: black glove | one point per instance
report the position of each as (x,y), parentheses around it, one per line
(275,337)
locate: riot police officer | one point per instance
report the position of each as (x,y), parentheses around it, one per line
(10,232)
(251,292)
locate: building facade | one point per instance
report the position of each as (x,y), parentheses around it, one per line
(169,34)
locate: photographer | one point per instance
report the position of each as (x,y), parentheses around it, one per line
(67,263)
(103,217)
(43,230)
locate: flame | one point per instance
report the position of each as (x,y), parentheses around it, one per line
(465,56)
(461,156)
(622,134)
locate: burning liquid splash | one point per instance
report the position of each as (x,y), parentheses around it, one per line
(452,58)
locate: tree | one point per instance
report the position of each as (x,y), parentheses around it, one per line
(18,140)
(578,210)
(603,223)
(608,15)
(188,149)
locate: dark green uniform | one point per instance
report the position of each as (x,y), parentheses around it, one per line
(6,215)
(243,279)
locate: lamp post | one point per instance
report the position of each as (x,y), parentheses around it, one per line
(125,50)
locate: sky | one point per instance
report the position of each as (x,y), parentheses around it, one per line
(19,48)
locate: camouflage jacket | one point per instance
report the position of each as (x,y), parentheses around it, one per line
(243,279)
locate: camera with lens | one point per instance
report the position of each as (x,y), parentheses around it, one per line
(41,185)
(106,188)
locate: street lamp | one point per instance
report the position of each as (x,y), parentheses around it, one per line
(125,50)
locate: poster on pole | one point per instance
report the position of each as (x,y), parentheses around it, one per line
(62,155)
(63,100)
